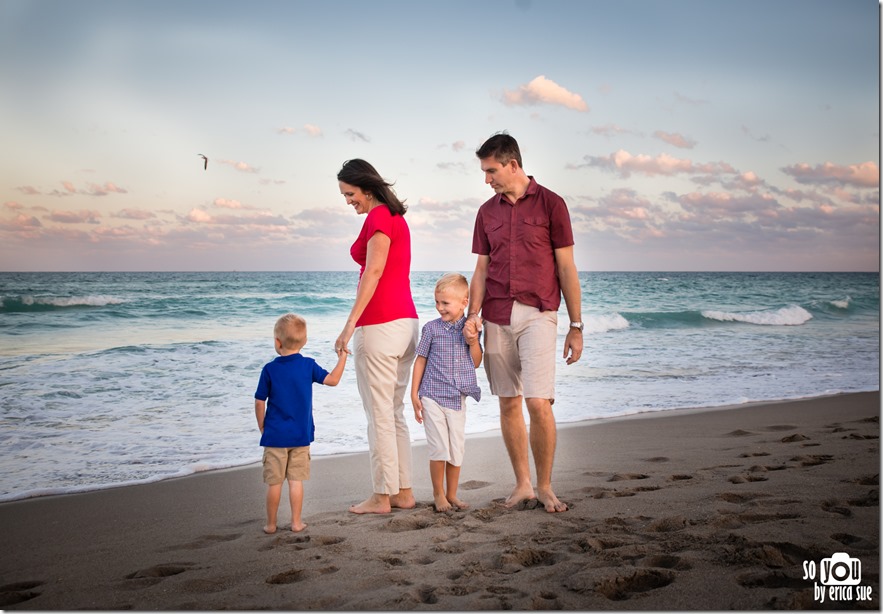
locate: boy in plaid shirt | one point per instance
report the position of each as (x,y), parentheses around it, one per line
(444,375)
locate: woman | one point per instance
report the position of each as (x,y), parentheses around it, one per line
(383,328)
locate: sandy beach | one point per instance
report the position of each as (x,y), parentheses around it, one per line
(678,510)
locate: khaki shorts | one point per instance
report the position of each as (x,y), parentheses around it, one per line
(519,359)
(445,431)
(282,463)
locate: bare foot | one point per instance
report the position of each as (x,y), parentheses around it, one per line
(518,495)
(372,505)
(297,528)
(458,503)
(551,502)
(404,499)
(442,504)
(269,530)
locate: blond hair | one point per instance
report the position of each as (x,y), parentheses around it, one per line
(291,331)
(452,279)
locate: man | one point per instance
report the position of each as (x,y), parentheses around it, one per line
(524,243)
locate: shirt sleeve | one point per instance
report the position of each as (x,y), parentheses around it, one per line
(319,374)
(379,220)
(425,341)
(560,228)
(480,244)
(263,391)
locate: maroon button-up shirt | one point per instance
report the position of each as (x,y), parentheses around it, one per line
(520,240)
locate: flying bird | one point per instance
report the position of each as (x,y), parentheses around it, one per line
(205,167)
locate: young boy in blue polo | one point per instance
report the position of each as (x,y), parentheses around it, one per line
(283,406)
(444,375)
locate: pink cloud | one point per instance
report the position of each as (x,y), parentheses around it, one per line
(863,175)
(83,216)
(313,130)
(29,190)
(11,204)
(21,222)
(135,214)
(544,91)
(675,140)
(625,164)
(239,166)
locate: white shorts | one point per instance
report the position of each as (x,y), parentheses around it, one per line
(519,359)
(445,431)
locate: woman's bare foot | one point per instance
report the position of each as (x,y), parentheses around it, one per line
(297,528)
(269,529)
(551,502)
(375,504)
(404,499)
(458,503)
(441,503)
(520,494)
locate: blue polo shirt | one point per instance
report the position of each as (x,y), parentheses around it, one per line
(287,386)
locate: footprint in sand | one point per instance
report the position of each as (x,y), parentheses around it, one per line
(622,587)
(18,592)
(203,542)
(298,575)
(158,573)
(793,438)
(617,477)
(474,485)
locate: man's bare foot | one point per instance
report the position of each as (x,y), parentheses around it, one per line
(375,504)
(458,503)
(441,503)
(551,502)
(404,499)
(518,495)
(297,528)
(269,529)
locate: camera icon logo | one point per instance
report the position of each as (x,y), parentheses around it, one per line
(840,570)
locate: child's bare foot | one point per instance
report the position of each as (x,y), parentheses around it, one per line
(372,505)
(458,503)
(520,494)
(551,502)
(404,499)
(441,503)
(297,528)
(269,529)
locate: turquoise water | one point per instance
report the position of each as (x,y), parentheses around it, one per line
(115,378)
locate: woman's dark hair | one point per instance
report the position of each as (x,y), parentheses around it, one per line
(365,177)
(502,147)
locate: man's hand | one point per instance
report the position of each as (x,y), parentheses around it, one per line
(573,345)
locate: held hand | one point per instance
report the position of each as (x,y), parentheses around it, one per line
(472,328)
(573,345)
(418,409)
(343,340)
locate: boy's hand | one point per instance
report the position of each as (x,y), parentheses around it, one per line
(418,409)
(472,328)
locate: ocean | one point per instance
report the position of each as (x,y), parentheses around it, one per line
(109,379)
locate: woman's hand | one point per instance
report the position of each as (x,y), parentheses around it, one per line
(343,340)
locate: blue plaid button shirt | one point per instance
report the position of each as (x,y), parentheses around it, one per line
(450,372)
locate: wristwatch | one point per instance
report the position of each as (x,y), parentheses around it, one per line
(578,325)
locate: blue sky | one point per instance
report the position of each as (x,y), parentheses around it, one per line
(685,135)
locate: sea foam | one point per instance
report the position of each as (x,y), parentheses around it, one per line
(793,315)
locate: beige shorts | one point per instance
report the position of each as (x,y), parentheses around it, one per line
(445,431)
(519,359)
(282,463)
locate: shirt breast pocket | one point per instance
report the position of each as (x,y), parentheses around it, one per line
(493,229)
(535,231)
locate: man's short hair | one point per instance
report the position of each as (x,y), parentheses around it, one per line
(502,147)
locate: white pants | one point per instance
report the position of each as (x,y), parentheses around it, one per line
(383,357)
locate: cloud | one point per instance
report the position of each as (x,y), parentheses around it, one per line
(83,216)
(226,203)
(674,139)
(760,139)
(21,222)
(460,167)
(135,214)
(625,164)
(863,175)
(103,190)
(544,91)
(243,167)
(357,136)
(609,130)
(286,130)
(11,204)
(200,216)
(29,190)
(458,145)
(313,130)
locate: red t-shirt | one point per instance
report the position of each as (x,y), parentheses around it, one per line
(520,240)
(392,300)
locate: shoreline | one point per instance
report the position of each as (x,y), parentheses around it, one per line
(683,509)
(492,432)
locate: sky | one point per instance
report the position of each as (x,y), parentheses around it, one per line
(684,135)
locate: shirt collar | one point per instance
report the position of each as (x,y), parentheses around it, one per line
(458,325)
(531,189)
